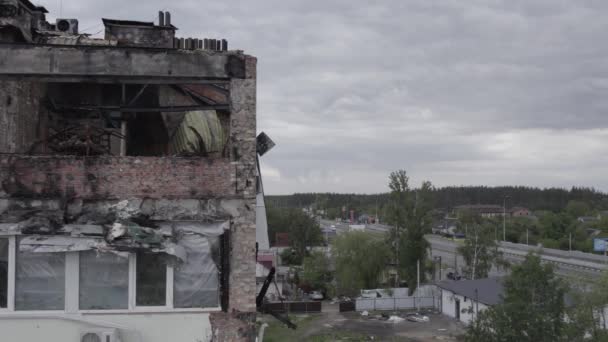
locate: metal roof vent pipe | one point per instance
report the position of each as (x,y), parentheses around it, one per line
(161,18)
(167,18)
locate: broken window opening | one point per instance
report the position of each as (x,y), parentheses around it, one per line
(3,273)
(134,120)
(40,281)
(104,281)
(151,280)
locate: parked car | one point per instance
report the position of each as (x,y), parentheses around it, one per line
(454,276)
(316,295)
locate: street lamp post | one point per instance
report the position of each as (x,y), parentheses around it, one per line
(504,218)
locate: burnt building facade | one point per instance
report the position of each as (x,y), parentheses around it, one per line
(127,182)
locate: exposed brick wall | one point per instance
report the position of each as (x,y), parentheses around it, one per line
(116,177)
(243,138)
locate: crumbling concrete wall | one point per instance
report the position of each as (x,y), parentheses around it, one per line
(239,323)
(22,117)
(243,134)
(153,37)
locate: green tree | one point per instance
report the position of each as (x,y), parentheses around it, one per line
(315,271)
(589,313)
(480,251)
(555,226)
(532,309)
(276,222)
(290,257)
(577,208)
(409,212)
(303,230)
(360,258)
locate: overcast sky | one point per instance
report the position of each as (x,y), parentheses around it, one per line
(477,92)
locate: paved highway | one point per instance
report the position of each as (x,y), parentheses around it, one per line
(567,264)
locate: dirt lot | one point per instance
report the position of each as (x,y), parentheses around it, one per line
(334,326)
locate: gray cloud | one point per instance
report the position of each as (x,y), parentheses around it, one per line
(457,92)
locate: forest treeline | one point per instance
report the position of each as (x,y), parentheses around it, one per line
(551,199)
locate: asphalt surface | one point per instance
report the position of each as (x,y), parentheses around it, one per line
(574,265)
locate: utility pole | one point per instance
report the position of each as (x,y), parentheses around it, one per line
(527,237)
(476,302)
(418,274)
(474,256)
(504,218)
(570,242)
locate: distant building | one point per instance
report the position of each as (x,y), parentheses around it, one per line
(282,240)
(519,212)
(483,210)
(464,299)
(490,210)
(587,219)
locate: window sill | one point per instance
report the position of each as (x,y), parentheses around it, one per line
(59,314)
(149,311)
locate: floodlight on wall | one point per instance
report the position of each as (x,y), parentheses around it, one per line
(264,144)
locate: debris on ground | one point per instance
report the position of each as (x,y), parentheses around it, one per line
(396,319)
(418,318)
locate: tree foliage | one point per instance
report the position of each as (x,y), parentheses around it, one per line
(360,258)
(552,199)
(589,316)
(303,230)
(409,214)
(316,273)
(532,309)
(290,257)
(480,251)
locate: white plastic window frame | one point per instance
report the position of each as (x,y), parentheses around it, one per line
(72,289)
(10,293)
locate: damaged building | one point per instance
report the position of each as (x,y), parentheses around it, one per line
(128,181)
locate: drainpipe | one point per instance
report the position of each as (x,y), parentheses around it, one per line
(123,124)
(261,334)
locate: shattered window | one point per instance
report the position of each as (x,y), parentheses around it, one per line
(104,281)
(151,282)
(196,279)
(3,272)
(40,281)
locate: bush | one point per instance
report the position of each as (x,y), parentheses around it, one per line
(290,257)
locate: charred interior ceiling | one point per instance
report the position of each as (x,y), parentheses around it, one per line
(139,142)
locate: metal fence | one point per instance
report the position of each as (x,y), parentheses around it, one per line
(347,306)
(406,303)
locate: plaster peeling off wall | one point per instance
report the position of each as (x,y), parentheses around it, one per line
(22,118)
